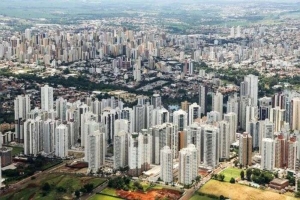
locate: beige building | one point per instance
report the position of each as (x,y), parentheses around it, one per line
(245,149)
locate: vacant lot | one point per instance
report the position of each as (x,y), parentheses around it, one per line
(67,184)
(237,191)
(231,173)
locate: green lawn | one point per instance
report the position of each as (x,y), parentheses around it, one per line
(200,197)
(71,183)
(103,197)
(109,191)
(231,173)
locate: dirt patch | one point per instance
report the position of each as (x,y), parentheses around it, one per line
(150,195)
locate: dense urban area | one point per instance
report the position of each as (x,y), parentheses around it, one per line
(154,100)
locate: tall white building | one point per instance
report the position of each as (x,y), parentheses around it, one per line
(203,98)
(120,150)
(0,173)
(224,144)
(180,119)
(188,168)
(96,150)
(46,98)
(160,116)
(194,136)
(49,127)
(277,116)
(232,104)
(211,146)
(231,118)
(90,126)
(268,154)
(217,102)
(166,164)
(163,135)
(194,113)
(61,141)
(61,109)
(249,87)
(33,136)
(21,109)
(295,115)
(139,153)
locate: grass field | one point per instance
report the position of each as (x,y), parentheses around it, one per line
(237,191)
(109,191)
(198,197)
(231,173)
(71,183)
(103,197)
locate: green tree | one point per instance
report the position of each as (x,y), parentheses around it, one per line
(242,175)
(88,187)
(198,178)
(77,193)
(46,186)
(232,180)
(248,174)
(221,177)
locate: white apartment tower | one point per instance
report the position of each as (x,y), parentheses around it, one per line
(46,98)
(249,87)
(166,164)
(188,167)
(211,146)
(96,150)
(180,119)
(217,103)
(194,113)
(224,144)
(231,118)
(21,109)
(120,149)
(61,141)
(268,154)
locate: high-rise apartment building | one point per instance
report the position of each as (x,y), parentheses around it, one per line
(203,90)
(295,115)
(264,110)
(47,98)
(21,109)
(217,103)
(180,118)
(194,113)
(245,149)
(211,155)
(249,88)
(120,149)
(96,149)
(188,168)
(267,154)
(61,141)
(166,164)
(139,153)
(224,144)
(231,118)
